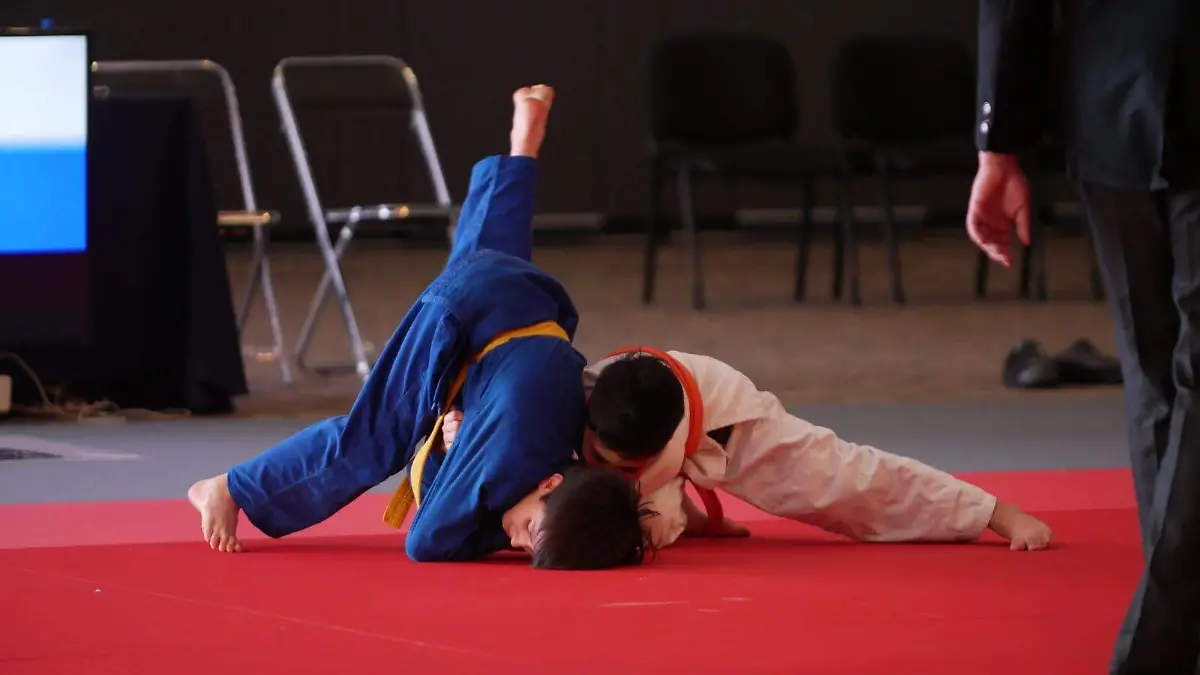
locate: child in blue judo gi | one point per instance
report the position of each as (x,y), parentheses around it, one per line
(492,336)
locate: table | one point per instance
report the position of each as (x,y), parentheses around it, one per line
(164,332)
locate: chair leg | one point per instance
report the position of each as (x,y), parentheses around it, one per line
(1026,275)
(849,252)
(891,246)
(333,276)
(1033,268)
(654,237)
(981,275)
(837,282)
(688,215)
(260,279)
(839,257)
(252,286)
(268,290)
(1097,283)
(804,241)
(1036,259)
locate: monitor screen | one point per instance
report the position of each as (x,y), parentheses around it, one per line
(45,77)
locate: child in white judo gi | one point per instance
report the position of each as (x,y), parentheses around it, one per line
(671,417)
(667,418)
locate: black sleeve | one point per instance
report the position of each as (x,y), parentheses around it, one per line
(1016,44)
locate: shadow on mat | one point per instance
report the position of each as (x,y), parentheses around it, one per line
(782,544)
(358,547)
(771,547)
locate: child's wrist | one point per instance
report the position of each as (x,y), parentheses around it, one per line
(1000,518)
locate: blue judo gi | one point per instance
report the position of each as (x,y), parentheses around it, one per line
(523,403)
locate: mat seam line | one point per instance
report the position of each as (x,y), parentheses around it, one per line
(262,614)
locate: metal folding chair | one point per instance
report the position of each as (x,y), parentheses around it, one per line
(350,217)
(250,216)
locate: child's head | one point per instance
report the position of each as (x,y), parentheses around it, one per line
(636,405)
(583,518)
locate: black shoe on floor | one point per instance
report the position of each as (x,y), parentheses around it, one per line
(1028,366)
(1082,364)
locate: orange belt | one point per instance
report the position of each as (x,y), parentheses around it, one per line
(712,503)
(408,493)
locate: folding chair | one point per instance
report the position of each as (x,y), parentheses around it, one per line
(350,217)
(250,216)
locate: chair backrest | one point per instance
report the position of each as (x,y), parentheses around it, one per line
(903,89)
(340,113)
(211,89)
(722,90)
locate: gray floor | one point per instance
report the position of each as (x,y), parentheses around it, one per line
(158,460)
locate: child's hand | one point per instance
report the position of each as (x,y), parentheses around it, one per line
(1024,532)
(731,529)
(697,524)
(450,427)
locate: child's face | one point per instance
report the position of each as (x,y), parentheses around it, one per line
(597,454)
(523,522)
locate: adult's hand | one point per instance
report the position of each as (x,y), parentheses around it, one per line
(999,203)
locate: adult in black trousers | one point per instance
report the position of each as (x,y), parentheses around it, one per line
(1124,79)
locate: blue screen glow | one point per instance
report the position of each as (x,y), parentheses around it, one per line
(43,143)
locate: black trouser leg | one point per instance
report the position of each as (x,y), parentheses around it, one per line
(1161,633)
(1133,243)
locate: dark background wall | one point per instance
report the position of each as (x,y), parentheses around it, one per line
(469,55)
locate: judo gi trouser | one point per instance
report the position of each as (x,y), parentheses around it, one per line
(318,471)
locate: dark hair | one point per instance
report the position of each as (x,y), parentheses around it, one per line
(593,521)
(635,406)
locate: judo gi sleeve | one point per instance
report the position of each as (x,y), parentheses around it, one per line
(523,418)
(1016,43)
(794,469)
(498,211)
(453,522)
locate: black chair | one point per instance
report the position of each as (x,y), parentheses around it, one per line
(903,107)
(725,106)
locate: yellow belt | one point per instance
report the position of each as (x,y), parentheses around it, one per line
(409,491)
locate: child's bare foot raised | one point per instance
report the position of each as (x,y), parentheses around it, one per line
(218,513)
(531,110)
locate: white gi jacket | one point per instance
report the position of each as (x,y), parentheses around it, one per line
(792,469)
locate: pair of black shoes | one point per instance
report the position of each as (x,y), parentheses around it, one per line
(1028,366)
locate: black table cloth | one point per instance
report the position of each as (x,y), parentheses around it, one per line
(163,331)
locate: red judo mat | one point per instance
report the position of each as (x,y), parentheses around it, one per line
(127,588)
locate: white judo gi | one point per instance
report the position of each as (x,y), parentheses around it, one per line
(793,469)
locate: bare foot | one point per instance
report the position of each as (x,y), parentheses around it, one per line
(218,513)
(531,109)
(1023,531)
